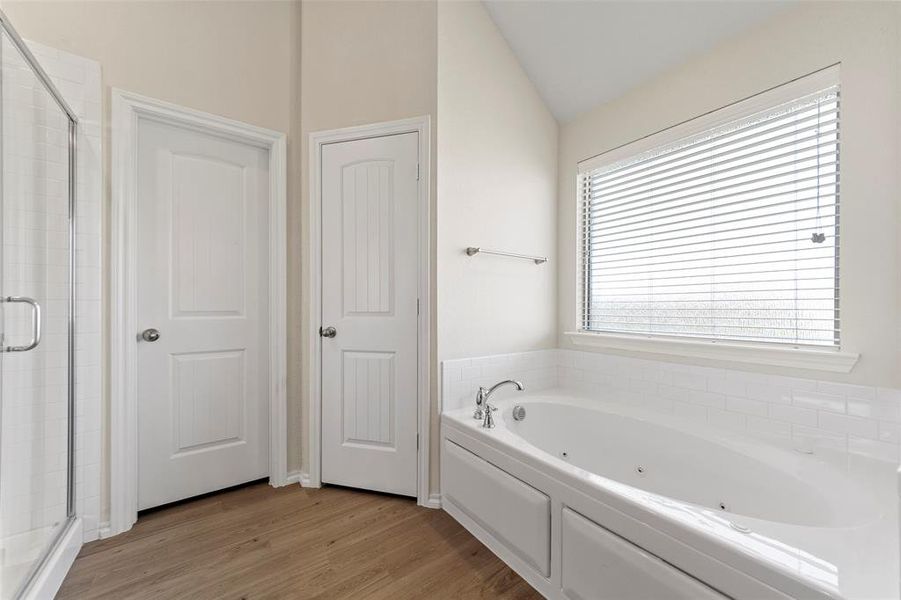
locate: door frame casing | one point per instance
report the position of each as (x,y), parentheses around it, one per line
(127,109)
(422,126)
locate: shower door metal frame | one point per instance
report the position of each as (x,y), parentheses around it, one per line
(51,88)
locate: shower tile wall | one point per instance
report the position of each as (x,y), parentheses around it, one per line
(29,209)
(79,81)
(461,378)
(34,258)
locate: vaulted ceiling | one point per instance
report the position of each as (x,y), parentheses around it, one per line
(582,53)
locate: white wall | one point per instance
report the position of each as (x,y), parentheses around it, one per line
(864,38)
(497,162)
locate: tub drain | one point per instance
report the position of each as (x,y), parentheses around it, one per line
(723,506)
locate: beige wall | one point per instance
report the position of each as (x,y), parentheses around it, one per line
(497,172)
(323,65)
(864,38)
(497,168)
(364,62)
(236,59)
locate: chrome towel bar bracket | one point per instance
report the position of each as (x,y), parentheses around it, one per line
(473,250)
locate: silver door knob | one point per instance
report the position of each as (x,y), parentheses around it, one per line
(328,332)
(150,335)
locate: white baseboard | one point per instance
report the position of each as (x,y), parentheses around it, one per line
(306,482)
(434,501)
(48,580)
(293,477)
(105,530)
(96,534)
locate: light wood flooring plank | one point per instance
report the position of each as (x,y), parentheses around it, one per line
(258,542)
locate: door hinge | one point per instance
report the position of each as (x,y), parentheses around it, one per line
(417,306)
(417,171)
(417,441)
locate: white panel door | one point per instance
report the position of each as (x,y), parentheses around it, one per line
(203,284)
(370,249)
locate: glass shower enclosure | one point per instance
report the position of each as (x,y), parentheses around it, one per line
(37,409)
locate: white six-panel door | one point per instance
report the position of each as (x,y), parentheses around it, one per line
(370,282)
(202,283)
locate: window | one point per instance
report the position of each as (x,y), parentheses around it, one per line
(729,233)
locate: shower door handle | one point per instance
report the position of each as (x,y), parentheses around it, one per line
(35,324)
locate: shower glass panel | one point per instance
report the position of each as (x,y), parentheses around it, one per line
(36,434)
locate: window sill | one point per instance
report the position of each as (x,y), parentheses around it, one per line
(800,358)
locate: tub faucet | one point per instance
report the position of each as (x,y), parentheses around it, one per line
(483,409)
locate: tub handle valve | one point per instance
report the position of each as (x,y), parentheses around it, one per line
(488,423)
(481,396)
(483,410)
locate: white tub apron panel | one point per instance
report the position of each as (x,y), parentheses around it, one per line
(512,511)
(600,565)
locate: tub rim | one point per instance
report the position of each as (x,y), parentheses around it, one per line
(708,532)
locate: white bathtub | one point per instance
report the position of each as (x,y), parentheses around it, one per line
(601,500)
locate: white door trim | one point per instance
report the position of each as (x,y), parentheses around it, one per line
(422,125)
(126,109)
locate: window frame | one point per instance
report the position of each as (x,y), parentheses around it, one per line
(829,358)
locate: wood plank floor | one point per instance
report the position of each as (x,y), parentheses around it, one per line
(259,542)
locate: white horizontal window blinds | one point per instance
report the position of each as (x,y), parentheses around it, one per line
(727,235)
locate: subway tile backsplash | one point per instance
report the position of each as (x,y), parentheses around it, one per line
(804,412)
(461,378)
